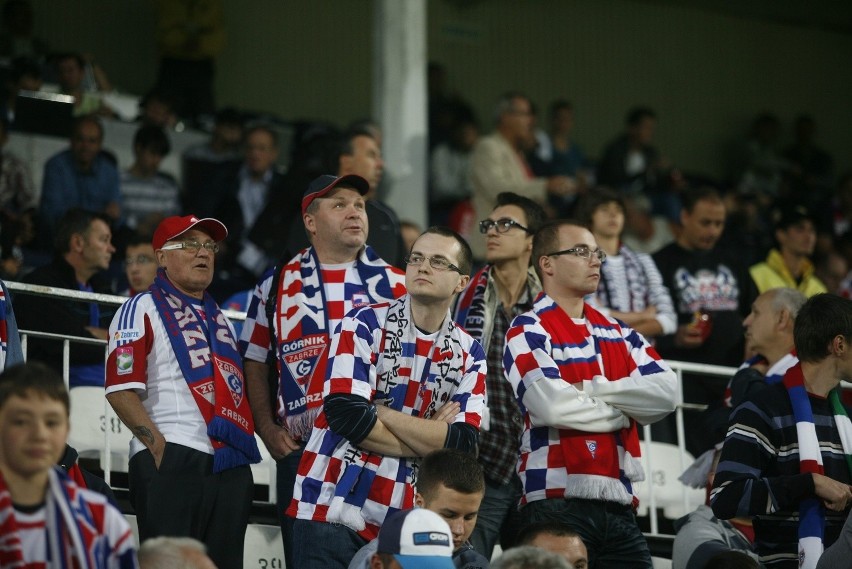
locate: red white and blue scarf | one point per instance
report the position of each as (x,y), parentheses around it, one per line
(72,536)
(470,309)
(400,354)
(811,510)
(211,365)
(301,321)
(613,451)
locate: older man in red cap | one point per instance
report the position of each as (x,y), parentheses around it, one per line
(174,377)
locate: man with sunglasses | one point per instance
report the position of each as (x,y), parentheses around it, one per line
(175,378)
(584,382)
(403,380)
(503,289)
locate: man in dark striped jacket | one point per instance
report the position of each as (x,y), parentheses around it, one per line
(786,458)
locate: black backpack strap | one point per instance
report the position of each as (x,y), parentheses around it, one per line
(271,302)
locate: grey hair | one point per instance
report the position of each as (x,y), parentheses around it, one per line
(506,103)
(529,557)
(168,552)
(788,299)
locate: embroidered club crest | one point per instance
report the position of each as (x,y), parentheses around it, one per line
(233,379)
(592,446)
(302,355)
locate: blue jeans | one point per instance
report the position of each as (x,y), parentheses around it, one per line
(322,545)
(285,479)
(498,517)
(609,530)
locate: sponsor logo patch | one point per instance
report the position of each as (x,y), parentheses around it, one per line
(126,335)
(430,538)
(360,299)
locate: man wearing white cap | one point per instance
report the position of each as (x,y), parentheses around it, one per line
(414,539)
(174,377)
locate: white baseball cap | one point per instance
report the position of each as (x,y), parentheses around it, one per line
(418,539)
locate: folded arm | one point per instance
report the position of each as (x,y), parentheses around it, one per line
(550,400)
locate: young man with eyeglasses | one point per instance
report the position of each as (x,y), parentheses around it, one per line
(293,314)
(584,382)
(403,380)
(140,264)
(175,378)
(506,287)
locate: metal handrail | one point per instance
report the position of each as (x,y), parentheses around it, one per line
(648,460)
(83,296)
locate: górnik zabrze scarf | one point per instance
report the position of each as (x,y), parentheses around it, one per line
(216,383)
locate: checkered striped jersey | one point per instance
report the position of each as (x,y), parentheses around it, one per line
(140,357)
(553,400)
(341,284)
(432,373)
(107,533)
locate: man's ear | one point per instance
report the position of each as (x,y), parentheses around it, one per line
(419,501)
(545,263)
(308,220)
(839,346)
(462,283)
(784,320)
(77,242)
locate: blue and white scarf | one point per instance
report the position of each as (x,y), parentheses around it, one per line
(811,510)
(302,334)
(211,365)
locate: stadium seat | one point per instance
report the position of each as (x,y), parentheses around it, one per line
(263,547)
(662,464)
(91,416)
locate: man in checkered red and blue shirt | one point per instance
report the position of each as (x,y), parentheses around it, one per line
(583,380)
(292,314)
(403,380)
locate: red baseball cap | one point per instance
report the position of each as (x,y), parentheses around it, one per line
(176,225)
(325,183)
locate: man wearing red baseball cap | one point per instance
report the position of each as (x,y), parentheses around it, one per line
(293,312)
(175,378)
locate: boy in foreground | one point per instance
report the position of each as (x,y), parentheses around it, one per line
(45,518)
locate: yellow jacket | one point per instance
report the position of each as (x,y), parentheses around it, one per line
(773,273)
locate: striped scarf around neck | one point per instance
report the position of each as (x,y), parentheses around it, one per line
(811,510)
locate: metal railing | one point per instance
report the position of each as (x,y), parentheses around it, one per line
(648,459)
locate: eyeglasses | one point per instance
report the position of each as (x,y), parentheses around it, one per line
(503,225)
(192,245)
(140,260)
(437,263)
(583,252)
